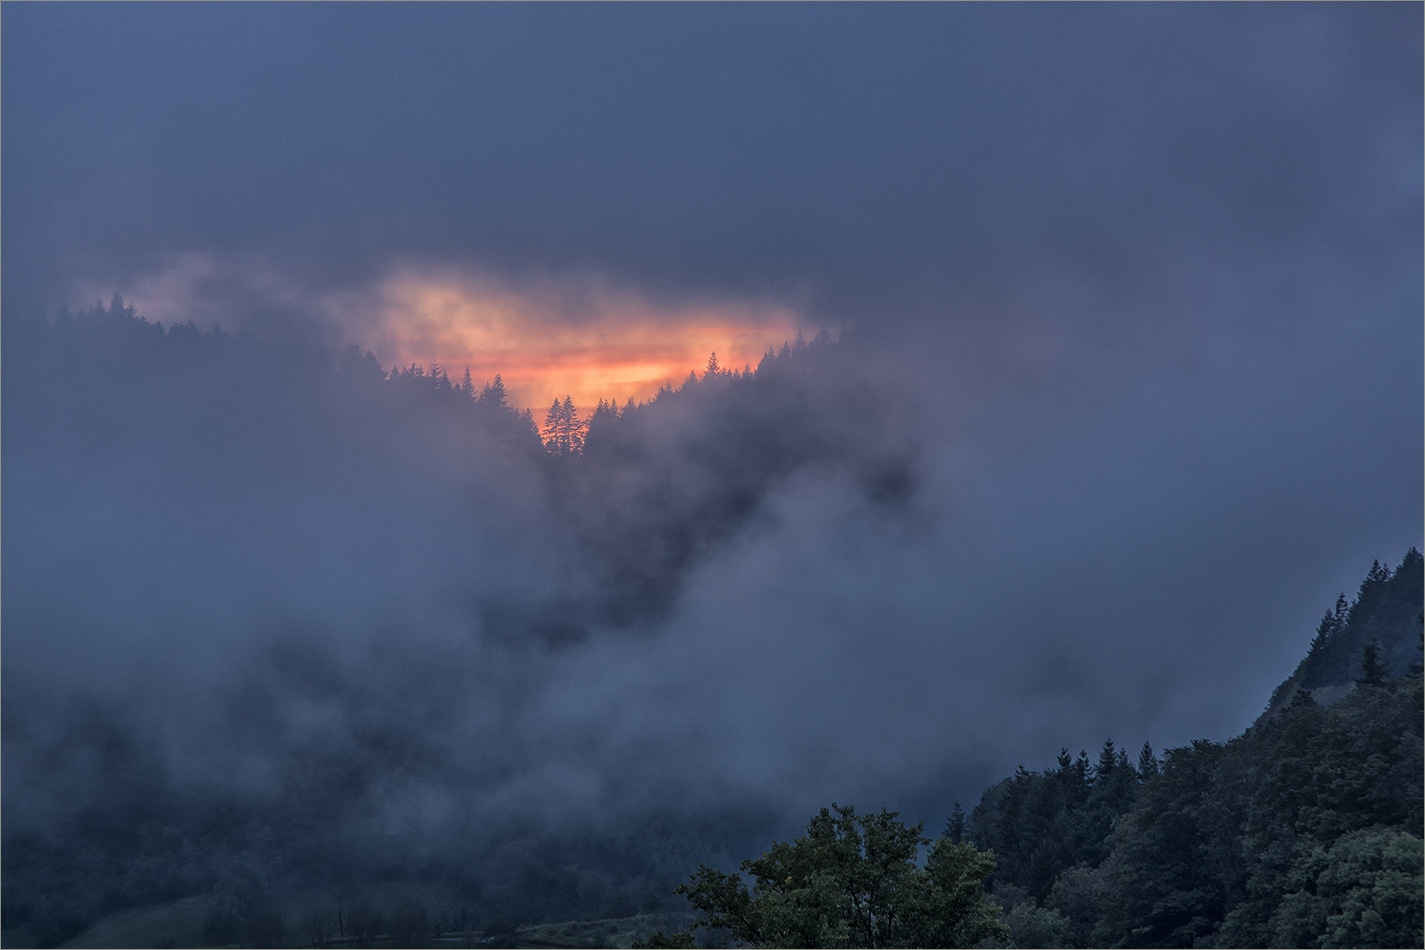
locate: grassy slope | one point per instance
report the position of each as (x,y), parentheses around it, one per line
(612,932)
(180,923)
(175,924)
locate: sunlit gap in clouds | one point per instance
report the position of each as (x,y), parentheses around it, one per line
(547,337)
(566,337)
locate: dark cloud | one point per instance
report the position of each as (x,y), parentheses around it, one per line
(878,153)
(1134,301)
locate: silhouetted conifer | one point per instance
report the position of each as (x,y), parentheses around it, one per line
(493,396)
(1374,670)
(955,827)
(1107,762)
(1147,763)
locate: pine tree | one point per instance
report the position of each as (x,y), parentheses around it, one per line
(955,827)
(1328,628)
(493,396)
(553,429)
(1374,670)
(713,369)
(1147,764)
(573,427)
(1107,762)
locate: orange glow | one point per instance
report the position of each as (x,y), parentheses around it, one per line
(560,339)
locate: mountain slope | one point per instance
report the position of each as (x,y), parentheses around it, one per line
(1386,611)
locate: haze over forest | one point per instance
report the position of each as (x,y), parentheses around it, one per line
(1070,364)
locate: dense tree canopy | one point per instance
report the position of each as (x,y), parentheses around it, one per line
(1303,831)
(850,881)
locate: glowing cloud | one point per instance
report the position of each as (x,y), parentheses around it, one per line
(547,337)
(569,337)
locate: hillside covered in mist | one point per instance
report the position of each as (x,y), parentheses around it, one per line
(276,616)
(280,619)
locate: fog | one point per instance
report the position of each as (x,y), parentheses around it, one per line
(1124,390)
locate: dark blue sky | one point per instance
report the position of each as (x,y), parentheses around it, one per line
(1154,272)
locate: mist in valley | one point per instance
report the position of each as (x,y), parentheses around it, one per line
(1103,389)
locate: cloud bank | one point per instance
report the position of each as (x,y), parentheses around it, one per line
(1127,394)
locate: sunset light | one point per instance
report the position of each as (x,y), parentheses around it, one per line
(557,340)
(1082,352)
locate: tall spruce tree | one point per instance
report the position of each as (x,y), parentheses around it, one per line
(1374,670)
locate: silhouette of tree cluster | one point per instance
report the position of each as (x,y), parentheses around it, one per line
(563,429)
(1303,831)
(646,499)
(1386,604)
(850,881)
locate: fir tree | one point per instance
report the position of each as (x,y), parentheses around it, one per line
(1082,770)
(955,826)
(493,396)
(1147,763)
(563,430)
(1374,670)
(551,427)
(1330,625)
(1107,762)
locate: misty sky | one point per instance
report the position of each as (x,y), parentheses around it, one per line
(1148,277)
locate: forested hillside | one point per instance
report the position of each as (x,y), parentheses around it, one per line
(650,488)
(1386,609)
(329,583)
(324,611)
(1303,831)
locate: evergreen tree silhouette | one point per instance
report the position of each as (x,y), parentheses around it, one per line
(1374,670)
(493,396)
(1147,763)
(563,430)
(955,828)
(1331,624)
(552,428)
(1107,763)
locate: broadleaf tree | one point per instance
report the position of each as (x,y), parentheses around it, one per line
(850,881)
